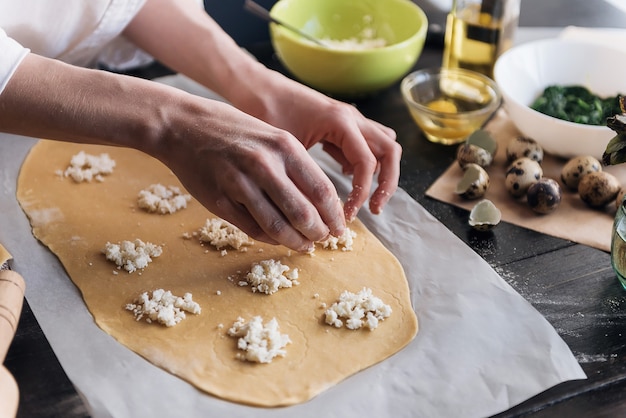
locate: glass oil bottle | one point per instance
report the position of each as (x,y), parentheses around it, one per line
(478,31)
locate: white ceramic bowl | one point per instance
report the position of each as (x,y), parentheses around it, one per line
(524,71)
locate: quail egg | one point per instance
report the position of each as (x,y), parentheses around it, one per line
(576,168)
(484,215)
(544,196)
(474,183)
(522,146)
(521,174)
(598,188)
(473,154)
(479,148)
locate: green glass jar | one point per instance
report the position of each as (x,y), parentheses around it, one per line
(618,243)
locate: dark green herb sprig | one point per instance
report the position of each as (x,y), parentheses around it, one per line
(576,104)
(615,152)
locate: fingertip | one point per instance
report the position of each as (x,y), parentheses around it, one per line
(338,230)
(307,248)
(378,201)
(340,221)
(350,212)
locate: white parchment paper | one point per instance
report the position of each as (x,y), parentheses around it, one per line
(481,347)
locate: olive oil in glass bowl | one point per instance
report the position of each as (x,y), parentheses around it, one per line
(449,104)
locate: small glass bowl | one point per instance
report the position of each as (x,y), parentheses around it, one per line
(449,104)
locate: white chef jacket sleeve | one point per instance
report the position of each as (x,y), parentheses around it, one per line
(123,55)
(12,55)
(119,54)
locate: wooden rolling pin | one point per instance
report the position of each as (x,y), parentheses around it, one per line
(11,299)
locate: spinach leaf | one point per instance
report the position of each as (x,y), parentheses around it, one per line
(576,104)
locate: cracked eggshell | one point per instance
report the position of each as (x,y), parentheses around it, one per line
(479,148)
(484,215)
(544,196)
(483,139)
(474,183)
(576,168)
(521,174)
(599,188)
(523,146)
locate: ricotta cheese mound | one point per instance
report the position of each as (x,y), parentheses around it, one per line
(366,39)
(267,276)
(163,307)
(161,199)
(345,241)
(221,234)
(132,255)
(87,167)
(259,343)
(354,44)
(357,310)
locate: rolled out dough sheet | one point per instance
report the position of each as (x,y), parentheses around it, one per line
(76,220)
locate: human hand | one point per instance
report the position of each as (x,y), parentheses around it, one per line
(254,175)
(363,147)
(350,149)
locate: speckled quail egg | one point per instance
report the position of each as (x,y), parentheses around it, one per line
(576,168)
(521,174)
(474,183)
(479,148)
(598,188)
(523,146)
(473,154)
(544,196)
(484,215)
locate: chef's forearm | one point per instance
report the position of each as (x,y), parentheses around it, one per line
(182,36)
(49,99)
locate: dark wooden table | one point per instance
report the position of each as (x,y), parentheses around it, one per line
(572,285)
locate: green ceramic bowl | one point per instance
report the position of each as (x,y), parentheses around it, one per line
(349,69)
